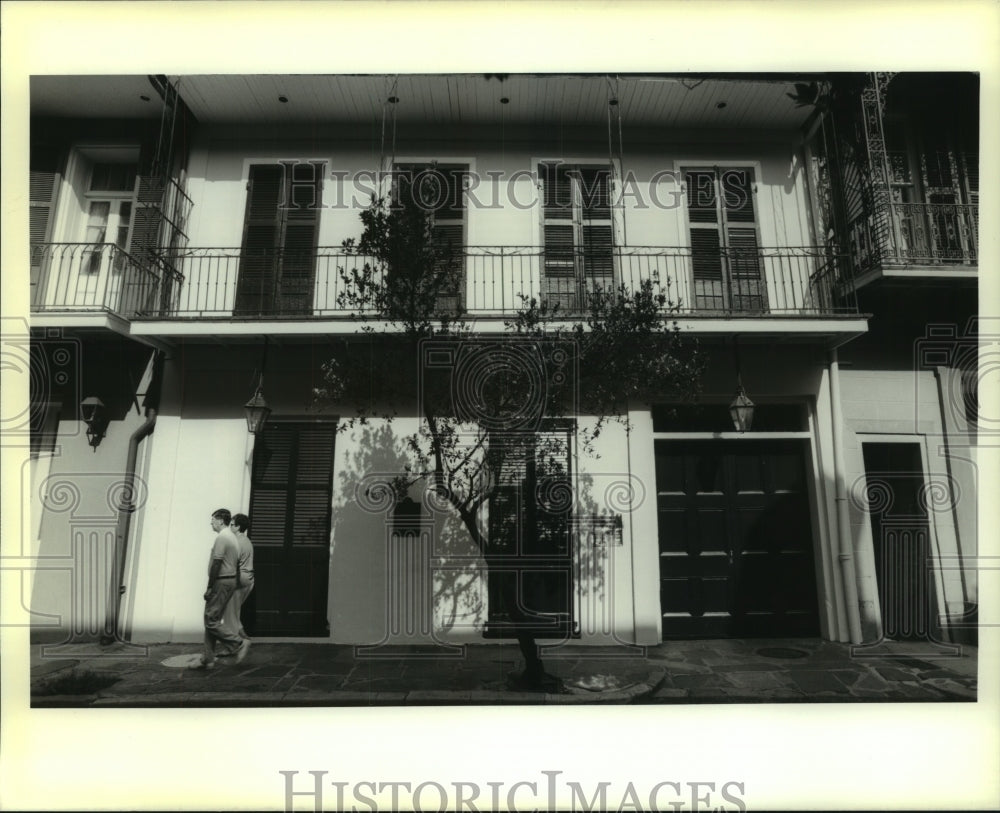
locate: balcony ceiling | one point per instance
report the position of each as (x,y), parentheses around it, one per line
(107,97)
(456,99)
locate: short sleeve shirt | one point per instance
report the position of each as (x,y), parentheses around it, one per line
(245,548)
(225,548)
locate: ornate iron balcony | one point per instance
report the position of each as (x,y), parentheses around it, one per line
(944,235)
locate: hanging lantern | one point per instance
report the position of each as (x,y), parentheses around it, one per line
(741,411)
(257,412)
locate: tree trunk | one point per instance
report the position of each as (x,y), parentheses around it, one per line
(534,670)
(534,676)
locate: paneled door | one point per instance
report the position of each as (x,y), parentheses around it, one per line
(735,533)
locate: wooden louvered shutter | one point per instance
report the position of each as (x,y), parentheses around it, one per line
(747,290)
(595,210)
(450,237)
(297,263)
(256,288)
(43,190)
(147,217)
(559,278)
(706,245)
(448,233)
(290,516)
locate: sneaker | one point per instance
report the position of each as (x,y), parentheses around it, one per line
(242,651)
(206,665)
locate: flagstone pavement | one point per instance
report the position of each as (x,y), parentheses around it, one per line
(677,672)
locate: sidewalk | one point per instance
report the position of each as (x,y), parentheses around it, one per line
(290,674)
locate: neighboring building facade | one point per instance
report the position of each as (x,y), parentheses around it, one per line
(166,267)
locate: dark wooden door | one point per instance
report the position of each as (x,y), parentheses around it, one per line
(530,538)
(900,536)
(736,556)
(290,515)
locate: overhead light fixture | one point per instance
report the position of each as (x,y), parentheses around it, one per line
(504,100)
(392,99)
(720,105)
(93,414)
(144,98)
(283,99)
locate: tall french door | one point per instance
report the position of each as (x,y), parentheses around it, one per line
(290,519)
(439,191)
(277,270)
(531,555)
(725,255)
(577,231)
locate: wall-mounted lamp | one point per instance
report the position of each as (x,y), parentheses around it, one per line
(94,415)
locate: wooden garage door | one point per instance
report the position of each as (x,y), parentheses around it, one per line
(736,554)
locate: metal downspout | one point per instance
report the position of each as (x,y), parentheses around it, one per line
(116,584)
(845,543)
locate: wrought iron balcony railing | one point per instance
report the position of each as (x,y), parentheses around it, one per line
(95,278)
(916,234)
(212,283)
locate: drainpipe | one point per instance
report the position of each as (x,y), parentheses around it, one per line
(116,585)
(845,543)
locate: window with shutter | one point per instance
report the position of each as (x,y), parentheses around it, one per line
(439,190)
(278,258)
(291,499)
(725,255)
(577,232)
(43,188)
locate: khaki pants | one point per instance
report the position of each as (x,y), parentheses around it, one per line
(216,630)
(231,615)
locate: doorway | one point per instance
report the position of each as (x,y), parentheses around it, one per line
(291,500)
(900,538)
(735,539)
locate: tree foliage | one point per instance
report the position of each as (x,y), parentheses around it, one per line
(480,407)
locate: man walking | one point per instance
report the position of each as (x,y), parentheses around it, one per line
(240,526)
(222,570)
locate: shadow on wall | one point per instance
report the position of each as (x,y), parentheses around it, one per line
(431,584)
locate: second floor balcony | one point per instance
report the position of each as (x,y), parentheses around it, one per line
(491,281)
(941,238)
